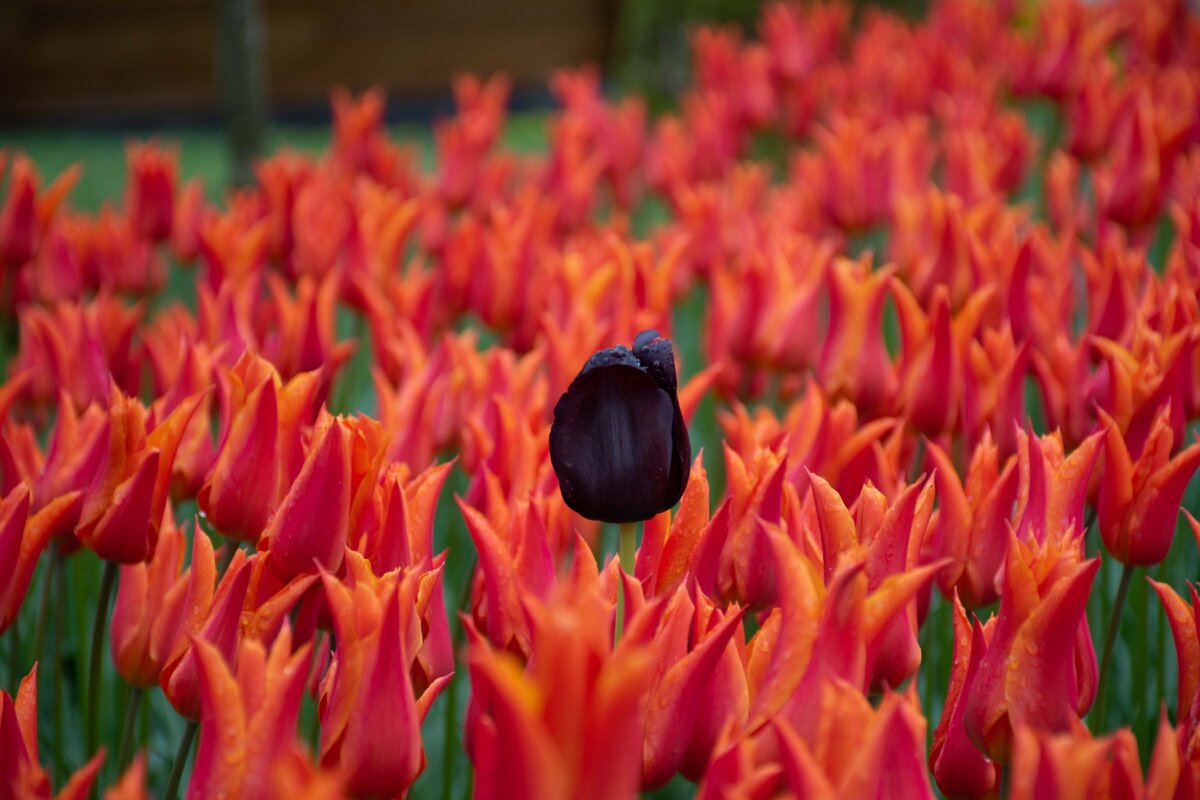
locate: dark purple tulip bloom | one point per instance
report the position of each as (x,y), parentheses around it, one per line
(618,444)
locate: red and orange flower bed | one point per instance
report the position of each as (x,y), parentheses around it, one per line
(388,494)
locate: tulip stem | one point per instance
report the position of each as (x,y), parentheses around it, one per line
(56,660)
(14,654)
(450,729)
(181,757)
(228,551)
(1110,639)
(39,630)
(449,738)
(918,460)
(131,714)
(94,665)
(626,547)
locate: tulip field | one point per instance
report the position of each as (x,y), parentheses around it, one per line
(828,434)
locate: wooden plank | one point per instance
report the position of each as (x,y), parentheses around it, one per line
(60,56)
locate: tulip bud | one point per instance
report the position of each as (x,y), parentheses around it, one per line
(153,174)
(619,445)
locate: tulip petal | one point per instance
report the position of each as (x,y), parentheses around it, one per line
(612,444)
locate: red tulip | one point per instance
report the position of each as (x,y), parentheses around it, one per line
(150,187)
(309,528)
(24,215)
(241,491)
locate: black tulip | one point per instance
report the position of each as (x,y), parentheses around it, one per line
(618,443)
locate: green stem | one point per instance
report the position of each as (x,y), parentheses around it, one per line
(343,391)
(626,549)
(314,734)
(227,553)
(450,721)
(314,728)
(60,631)
(918,460)
(1143,707)
(14,654)
(131,714)
(99,624)
(448,739)
(181,757)
(1110,639)
(39,630)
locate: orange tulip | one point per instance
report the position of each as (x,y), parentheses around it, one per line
(395,525)
(1031,671)
(78,447)
(1140,499)
(297,332)
(860,751)
(539,732)
(884,538)
(970,524)
(1182,616)
(821,636)
(124,506)
(932,369)
(247,716)
(514,563)
(21,774)
(959,768)
(131,785)
(371,717)
(1073,765)
(23,537)
(212,617)
(249,604)
(190,217)
(855,361)
(154,601)
(81,349)
(20,457)
(1129,184)
(669,542)
(679,732)
(322,221)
